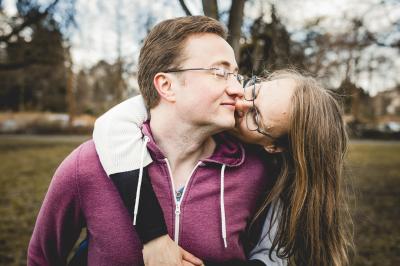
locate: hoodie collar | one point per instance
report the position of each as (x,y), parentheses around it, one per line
(228,150)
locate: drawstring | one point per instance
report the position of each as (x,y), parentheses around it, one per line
(222,202)
(146,140)
(222,205)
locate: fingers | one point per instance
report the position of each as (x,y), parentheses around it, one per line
(187,256)
(162,251)
(186,263)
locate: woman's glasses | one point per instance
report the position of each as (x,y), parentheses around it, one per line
(253,116)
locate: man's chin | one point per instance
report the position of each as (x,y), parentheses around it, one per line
(235,132)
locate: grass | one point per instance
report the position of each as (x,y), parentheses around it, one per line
(374,168)
(25,172)
(27,165)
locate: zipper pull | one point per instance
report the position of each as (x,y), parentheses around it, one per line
(178,209)
(177,217)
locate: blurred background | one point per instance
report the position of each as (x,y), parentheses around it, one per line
(65,62)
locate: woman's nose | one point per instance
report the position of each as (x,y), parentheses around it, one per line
(242,105)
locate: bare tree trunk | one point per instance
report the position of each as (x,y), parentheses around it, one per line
(119,83)
(185,8)
(210,8)
(235,25)
(21,105)
(71,104)
(119,29)
(355,103)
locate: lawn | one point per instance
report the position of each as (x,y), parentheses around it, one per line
(27,165)
(374,169)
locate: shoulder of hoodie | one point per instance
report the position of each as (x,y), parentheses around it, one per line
(251,151)
(245,152)
(256,153)
(83,163)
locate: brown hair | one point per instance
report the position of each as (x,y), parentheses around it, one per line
(313,217)
(163,46)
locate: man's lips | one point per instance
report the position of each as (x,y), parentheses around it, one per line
(229,104)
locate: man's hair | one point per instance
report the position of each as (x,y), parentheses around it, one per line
(163,49)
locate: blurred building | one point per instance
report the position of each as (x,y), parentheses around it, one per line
(387,104)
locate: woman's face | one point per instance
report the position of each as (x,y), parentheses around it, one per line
(273,102)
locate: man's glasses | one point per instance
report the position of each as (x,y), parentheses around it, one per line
(253,121)
(219,73)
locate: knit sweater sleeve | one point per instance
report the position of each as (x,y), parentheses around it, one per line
(118,138)
(60,219)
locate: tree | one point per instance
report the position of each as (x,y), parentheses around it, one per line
(30,15)
(210,8)
(32,70)
(351,53)
(269,47)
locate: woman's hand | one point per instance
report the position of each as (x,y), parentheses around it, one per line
(164,251)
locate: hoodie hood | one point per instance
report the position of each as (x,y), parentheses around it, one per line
(118,139)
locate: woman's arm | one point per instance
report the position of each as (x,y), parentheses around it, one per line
(262,249)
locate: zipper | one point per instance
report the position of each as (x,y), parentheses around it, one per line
(178,203)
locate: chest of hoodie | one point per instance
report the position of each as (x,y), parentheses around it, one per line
(212,213)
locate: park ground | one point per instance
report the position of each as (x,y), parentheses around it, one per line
(373,170)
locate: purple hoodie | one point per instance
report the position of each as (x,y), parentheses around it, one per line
(219,198)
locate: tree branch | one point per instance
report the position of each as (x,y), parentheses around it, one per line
(185,8)
(210,8)
(29,21)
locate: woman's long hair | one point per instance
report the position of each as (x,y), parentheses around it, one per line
(313,217)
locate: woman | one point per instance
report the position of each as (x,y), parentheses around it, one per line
(299,124)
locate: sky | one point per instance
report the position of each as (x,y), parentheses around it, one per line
(96,37)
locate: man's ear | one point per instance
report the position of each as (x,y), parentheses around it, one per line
(162,83)
(272,148)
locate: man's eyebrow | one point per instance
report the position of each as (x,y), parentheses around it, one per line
(225,64)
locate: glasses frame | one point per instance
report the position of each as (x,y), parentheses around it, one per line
(222,74)
(253,112)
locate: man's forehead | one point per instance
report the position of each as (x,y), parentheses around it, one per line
(210,50)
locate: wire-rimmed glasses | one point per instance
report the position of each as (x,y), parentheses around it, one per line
(253,117)
(219,73)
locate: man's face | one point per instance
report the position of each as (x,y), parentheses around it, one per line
(203,98)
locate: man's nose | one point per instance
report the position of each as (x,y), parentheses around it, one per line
(235,89)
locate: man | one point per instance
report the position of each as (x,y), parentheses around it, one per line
(188,79)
